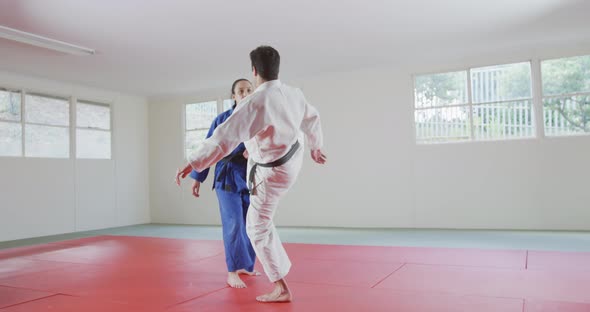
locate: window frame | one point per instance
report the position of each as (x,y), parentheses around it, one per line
(467,104)
(72,122)
(219,110)
(76,127)
(470,104)
(25,122)
(542,98)
(19,122)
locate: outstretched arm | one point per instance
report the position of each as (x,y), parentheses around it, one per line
(246,121)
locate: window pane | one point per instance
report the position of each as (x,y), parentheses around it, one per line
(93,116)
(441,89)
(192,139)
(566,75)
(567,115)
(227,104)
(442,124)
(501,83)
(46,141)
(93,144)
(503,120)
(46,110)
(10,105)
(10,139)
(200,115)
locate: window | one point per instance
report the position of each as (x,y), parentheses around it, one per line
(442,108)
(502,102)
(227,104)
(10,123)
(93,130)
(566,96)
(495,104)
(198,119)
(47,121)
(38,125)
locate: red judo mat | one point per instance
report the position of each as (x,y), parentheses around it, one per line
(124,273)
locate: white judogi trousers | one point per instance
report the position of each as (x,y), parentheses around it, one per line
(271,186)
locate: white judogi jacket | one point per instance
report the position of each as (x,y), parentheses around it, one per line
(268,121)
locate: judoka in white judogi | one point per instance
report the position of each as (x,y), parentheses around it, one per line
(272,122)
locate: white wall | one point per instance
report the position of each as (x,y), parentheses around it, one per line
(377,176)
(169,203)
(525,184)
(52,196)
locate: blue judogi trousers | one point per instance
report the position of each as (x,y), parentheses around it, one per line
(239,253)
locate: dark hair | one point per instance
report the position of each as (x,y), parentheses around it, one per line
(266,61)
(233,87)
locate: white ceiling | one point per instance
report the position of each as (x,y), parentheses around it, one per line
(155,47)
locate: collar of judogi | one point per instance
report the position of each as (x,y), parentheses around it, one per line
(269,84)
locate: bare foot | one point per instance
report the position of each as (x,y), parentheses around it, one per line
(243,271)
(234,280)
(281,293)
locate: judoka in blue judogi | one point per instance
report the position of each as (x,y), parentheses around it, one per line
(231,187)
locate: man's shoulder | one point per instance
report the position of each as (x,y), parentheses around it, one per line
(262,96)
(283,89)
(292,89)
(255,98)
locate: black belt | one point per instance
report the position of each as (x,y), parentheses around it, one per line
(279,162)
(237,158)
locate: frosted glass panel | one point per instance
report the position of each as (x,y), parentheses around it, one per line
(10,105)
(10,139)
(93,144)
(200,115)
(47,111)
(47,141)
(93,116)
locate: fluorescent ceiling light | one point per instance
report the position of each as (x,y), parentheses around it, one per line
(44,42)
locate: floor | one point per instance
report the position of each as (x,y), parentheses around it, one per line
(484,239)
(181,268)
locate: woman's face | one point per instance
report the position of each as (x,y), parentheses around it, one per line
(242,90)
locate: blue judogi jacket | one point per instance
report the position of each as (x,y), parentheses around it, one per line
(230,172)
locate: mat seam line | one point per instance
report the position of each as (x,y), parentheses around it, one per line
(28,301)
(195,298)
(379,282)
